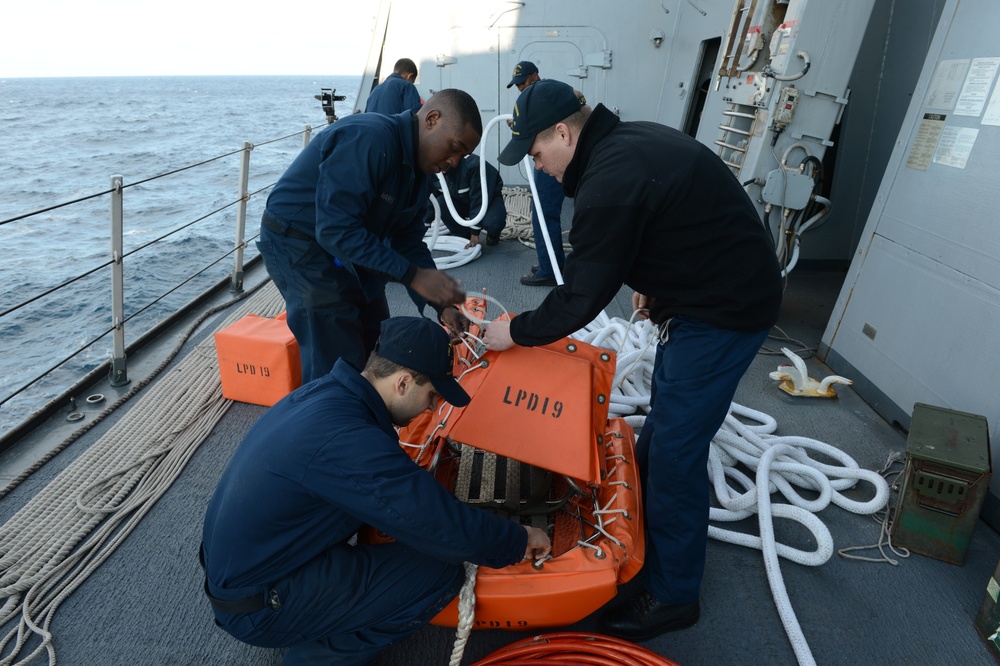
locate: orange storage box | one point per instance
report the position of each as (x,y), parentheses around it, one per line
(259,360)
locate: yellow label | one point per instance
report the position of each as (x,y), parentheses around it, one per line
(993,588)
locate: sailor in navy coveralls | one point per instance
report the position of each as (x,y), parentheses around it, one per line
(397,93)
(348,216)
(280,567)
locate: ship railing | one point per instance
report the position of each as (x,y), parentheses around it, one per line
(115,367)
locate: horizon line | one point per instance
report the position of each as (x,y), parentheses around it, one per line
(152,76)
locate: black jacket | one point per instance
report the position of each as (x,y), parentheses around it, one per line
(660,212)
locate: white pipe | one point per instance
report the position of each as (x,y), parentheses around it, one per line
(482,183)
(461,254)
(818,216)
(530,166)
(797,75)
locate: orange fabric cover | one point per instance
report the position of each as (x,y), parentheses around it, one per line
(545,406)
(258,360)
(581,442)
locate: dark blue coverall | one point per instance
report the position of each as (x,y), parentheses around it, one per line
(346,217)
(393,96)
(309,474)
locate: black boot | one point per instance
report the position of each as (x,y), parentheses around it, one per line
(643,618)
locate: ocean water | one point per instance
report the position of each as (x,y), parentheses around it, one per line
(63,139)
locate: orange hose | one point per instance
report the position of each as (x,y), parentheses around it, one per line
(576,648)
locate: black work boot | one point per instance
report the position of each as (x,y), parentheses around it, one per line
(643,618)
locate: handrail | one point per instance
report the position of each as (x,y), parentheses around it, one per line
(119,256)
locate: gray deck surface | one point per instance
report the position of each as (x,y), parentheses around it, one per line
(145,604)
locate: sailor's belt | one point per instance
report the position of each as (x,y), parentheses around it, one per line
(283,229)
(248,605)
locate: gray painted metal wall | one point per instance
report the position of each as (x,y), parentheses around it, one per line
(881,88)
(919,314)
(608,50)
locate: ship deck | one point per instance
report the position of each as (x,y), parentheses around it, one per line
(144,604)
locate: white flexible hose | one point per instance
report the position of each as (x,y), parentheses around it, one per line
(529,166)
(460,254)
(482,183)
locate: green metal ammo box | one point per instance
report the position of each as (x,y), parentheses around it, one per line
(945,480)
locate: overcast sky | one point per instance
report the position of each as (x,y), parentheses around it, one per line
(183,37)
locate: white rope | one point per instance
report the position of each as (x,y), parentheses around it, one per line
(884,519)
(434,240)
(446,191)
(461,254)
(781,464)
(75,523)
(529,165)
(466,614)
(518,203)
(517,200)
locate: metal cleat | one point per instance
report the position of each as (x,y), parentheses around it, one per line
(795,380)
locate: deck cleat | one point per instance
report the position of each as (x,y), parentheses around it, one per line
(795,380)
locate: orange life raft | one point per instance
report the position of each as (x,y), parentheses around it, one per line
(536,444)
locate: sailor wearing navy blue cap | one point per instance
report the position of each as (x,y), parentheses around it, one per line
(525,73)
(348,216)
(658,211)
(280,567)
(550,196)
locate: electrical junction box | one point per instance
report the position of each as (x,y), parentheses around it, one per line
(789,190)
(784,110)
(945,480)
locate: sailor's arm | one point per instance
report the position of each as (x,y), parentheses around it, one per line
(497,335)
(539,544)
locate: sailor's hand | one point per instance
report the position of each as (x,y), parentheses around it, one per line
(437,287)
(642,303)
(497,335)
(455,321)
(473,241)
(539,544)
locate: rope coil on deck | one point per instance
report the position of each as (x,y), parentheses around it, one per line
(780,463)
(50,546)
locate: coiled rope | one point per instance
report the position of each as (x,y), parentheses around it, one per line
(780,463)
(50,546)
(517,227)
